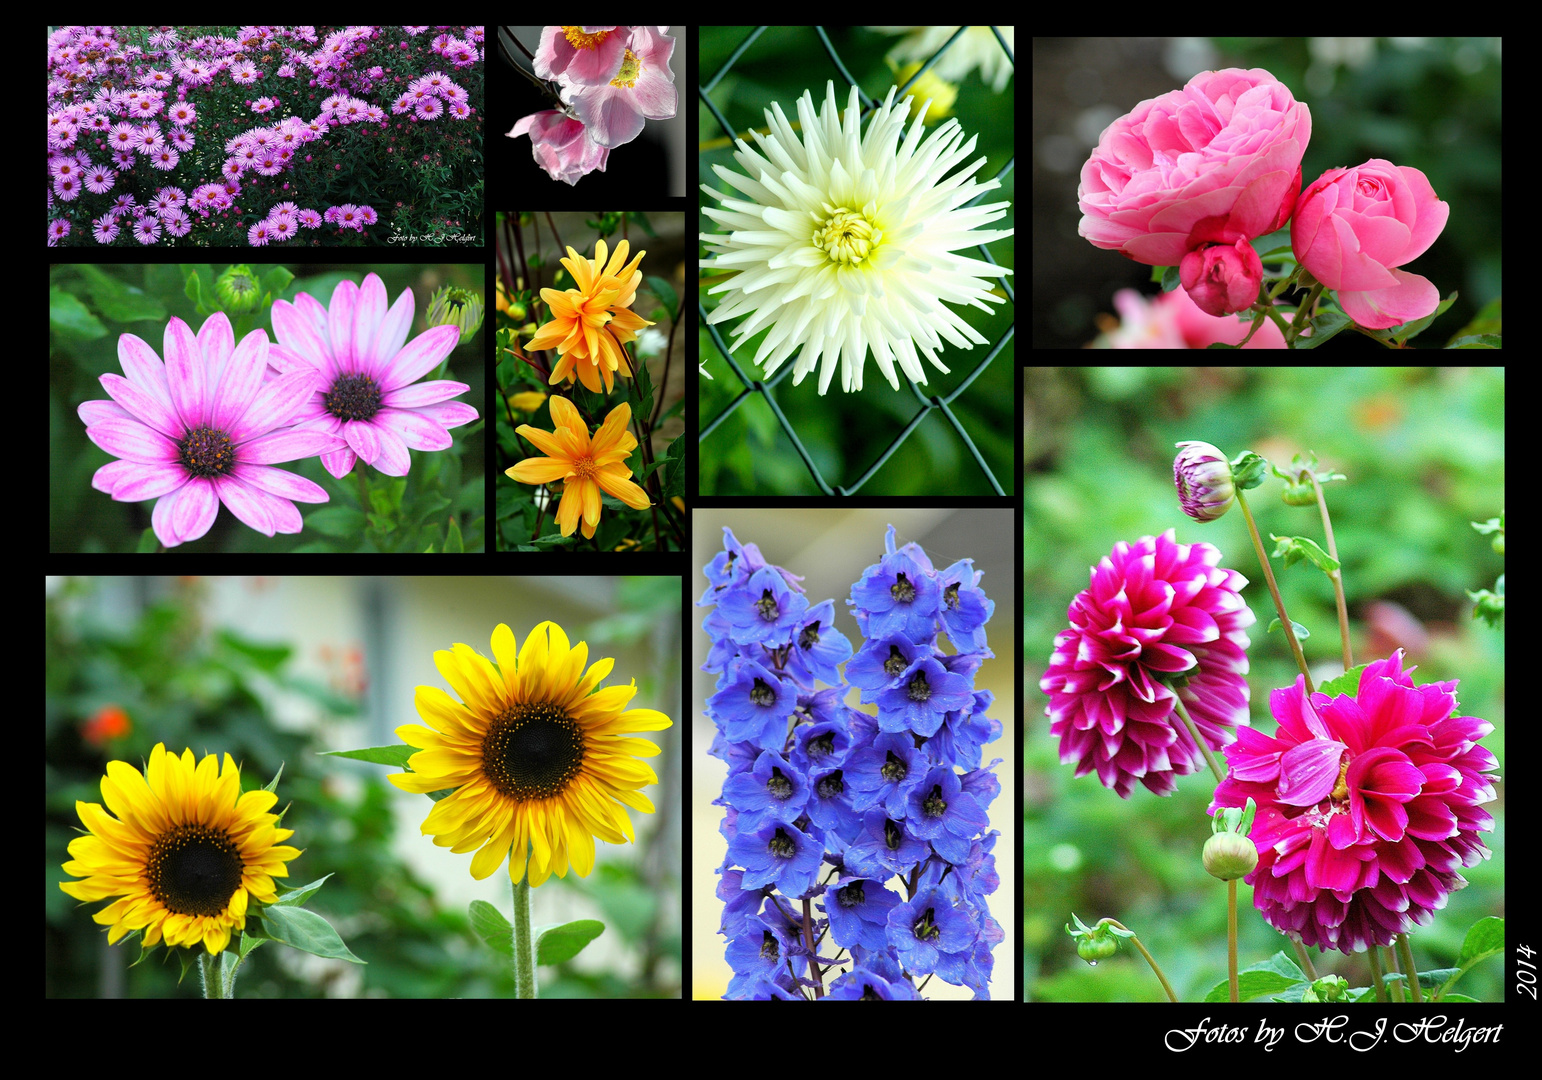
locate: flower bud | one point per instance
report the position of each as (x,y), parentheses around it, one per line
(1222,278)
(1228,856)
(1203,479)
(1095,947)
(456,307)
(238,290)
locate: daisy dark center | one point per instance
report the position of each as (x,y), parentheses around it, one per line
(846,236)
(205,452)
(532,750)
(354,397)
(194,870)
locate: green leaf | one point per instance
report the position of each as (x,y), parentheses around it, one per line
(377,755)
(561,943)
(492,927)
(306,931)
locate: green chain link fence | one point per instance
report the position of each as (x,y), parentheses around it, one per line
(763,388)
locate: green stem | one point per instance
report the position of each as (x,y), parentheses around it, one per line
(524,942)
(1274,591)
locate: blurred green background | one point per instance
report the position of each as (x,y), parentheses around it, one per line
(845,433)
(274,671)
(1423,449)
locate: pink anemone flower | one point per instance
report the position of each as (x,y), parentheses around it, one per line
(561,145)
(585,55)
(203,429)
(644,87)
(1367,806)
(366,390)
(1160,621)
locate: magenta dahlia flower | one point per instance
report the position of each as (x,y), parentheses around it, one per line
(203,429)
(1367,806)
(1161,620)
(364,389)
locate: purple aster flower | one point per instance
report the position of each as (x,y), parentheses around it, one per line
(202,429)
(368,391)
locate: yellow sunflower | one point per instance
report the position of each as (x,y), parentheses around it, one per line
(540,759)
(186,852)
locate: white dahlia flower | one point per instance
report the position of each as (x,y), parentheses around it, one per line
(846,241)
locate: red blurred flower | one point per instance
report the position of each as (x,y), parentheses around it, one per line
(107,723)
(1367,806)
(1155,610)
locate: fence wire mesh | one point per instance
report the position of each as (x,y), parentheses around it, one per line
(929,403)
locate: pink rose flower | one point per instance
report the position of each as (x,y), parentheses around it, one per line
(1353,226)
(1222,278)
(1216,162)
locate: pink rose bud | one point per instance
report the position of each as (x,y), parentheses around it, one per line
(1353,226)
(1222,278)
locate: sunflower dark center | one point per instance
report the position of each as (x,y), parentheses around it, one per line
(354,397)
(194,869)
(205,452)
(532,750)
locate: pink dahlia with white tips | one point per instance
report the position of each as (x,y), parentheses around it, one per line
(1160,621)
(1367,806)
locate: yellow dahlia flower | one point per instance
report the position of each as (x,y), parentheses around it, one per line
(540,758)
(585,465)
(185,854)
(589,324)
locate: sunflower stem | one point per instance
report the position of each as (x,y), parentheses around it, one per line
(524,943)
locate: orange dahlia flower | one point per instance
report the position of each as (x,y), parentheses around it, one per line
(586,466)
(589,324)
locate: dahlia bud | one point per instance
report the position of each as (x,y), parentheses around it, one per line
(1093,949)
(238,290)
(1204,480)
(1228,856)
(456,307)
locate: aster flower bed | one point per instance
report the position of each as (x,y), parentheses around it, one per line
(859,857)
(1350,815)
(203,411)
(263,135)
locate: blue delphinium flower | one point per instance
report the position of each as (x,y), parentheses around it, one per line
(863,835)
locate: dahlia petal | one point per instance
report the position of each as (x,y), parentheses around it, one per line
(1309,771)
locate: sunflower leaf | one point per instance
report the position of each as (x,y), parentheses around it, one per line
(306,931)
(376,755)
(559,944)
(492,927)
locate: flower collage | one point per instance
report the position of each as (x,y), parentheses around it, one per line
(1072,685)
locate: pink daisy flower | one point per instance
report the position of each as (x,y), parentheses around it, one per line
(164,159)
(310,219)
(1367,806)
(182,113)
(244,72)
(257,235)
(429,108)
(58,229)
(204,428)
(1155,608)
(105,228)
(280,228)
(367,391)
